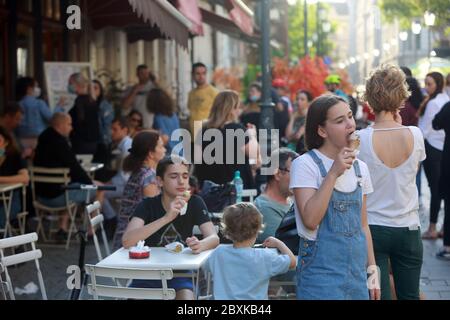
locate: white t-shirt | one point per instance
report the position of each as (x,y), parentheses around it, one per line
(305,173)
(395,201)
(434,137)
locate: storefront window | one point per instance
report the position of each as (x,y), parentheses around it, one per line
(24,50)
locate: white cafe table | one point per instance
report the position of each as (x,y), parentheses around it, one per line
(6,196)
(161,258)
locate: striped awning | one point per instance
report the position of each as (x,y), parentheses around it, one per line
(168,19)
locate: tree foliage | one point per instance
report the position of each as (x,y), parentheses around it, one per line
(308,74)
(297,31)
(407,10)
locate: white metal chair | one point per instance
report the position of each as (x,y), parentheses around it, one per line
(250,194)
(7,261)
(98,290)
(96,219)
(58,176)
(6,201)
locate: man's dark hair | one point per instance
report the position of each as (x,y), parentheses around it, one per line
(198,65)
(122,122)
(141,67)
(22,85)
(283,154)
(168,161)
(11,109)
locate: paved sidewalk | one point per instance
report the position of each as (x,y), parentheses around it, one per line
(435,281)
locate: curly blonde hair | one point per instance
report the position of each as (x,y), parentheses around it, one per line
(386,89)
(242,222)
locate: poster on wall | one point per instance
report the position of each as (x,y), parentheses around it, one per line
(57,75)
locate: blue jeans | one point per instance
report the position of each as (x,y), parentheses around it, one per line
(175,283)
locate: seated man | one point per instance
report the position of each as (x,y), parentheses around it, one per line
(53,151)
(120,138)
(275,202)
(159,221)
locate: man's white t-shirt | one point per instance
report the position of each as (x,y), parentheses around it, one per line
(305,173)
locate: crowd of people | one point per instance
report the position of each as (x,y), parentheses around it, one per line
(356,205)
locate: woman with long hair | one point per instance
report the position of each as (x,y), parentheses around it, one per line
(135,122)
(434,144)
(145,153)
(105,118)
(223,125)
(166,120)
(295,131)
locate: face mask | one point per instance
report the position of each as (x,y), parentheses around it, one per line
(37,92)
(2,152)
(71,89)
(254,98)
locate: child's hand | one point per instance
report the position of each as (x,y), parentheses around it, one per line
(271,242)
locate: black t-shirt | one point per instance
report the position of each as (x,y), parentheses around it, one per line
(12,164)
(223,173)
(151,209)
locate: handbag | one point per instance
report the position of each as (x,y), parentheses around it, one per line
(218,196)
(287,230)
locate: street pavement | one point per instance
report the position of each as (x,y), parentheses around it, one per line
(435,279)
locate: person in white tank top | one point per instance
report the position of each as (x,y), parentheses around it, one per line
(392,153)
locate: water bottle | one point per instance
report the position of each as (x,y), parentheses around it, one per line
(239,185)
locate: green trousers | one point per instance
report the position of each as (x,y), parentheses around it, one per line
(399,250)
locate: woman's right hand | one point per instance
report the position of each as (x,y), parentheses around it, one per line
(343,162)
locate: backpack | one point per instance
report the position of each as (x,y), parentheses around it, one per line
(217,197)
(287,231)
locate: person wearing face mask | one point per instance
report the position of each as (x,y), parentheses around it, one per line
(36,112)
(252,110)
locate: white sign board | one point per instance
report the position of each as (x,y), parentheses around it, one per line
(57,76)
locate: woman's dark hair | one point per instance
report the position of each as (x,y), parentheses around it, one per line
(416,97)
(143,143)
(317,116)
(160,102)
(11,148)
(257,86)
(439,79)
(102,90)
(135,112)
(306,93)
(168,161)
(22,86)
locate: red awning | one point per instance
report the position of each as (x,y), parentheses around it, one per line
(191,10)
(228,27)
(154,19)
(241,15)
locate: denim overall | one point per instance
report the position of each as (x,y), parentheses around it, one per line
(333,267)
